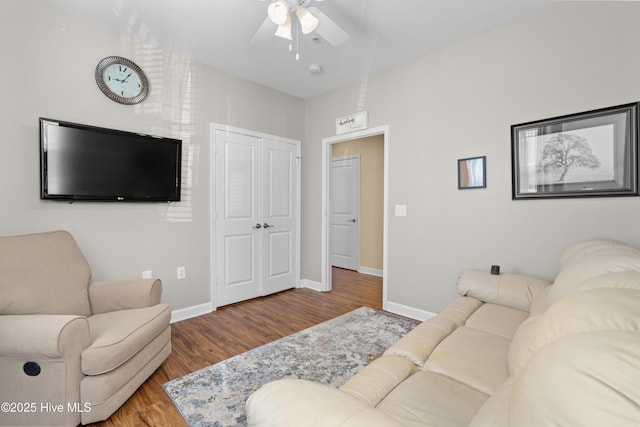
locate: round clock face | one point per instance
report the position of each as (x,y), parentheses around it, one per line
(122,80)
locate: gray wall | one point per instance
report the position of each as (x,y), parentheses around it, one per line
(47,71)
(456,103)
(461,102)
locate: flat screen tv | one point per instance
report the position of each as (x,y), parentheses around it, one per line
(88,163)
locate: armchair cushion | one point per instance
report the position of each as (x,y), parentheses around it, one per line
(117,336)
(43,274)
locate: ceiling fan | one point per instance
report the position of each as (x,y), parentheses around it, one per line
(281,14)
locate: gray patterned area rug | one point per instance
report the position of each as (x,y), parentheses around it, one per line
(329,353)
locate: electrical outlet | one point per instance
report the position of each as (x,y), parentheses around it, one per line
(401,210)
(181,273)
(147,274)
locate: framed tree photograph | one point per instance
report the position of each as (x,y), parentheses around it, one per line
(594,153)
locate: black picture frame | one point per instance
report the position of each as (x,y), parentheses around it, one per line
(588,154)
(472,173)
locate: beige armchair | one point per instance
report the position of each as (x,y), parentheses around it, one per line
(72,350)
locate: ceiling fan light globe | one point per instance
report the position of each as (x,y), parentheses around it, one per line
(278,12)
(284,30)
(308,22)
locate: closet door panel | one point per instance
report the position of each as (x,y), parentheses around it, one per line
(238,248)
(280,182)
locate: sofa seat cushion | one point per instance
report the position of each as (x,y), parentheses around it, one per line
(377,379)
(117,336)
(418,344)
(497,320)
(495,411)
(487,351)
(429,399)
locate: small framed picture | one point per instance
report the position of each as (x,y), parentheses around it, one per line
(472,173)
(594,153)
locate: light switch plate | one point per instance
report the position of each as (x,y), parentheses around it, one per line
(401,210)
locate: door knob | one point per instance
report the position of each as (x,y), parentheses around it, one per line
(267,225)
(352,220)
(257,226)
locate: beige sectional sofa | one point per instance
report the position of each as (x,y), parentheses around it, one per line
(72,350)
(511,351)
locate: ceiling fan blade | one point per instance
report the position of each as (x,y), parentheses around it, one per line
(329,30)
(265,32)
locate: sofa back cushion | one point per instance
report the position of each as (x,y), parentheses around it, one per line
(579,362)
(597,261)
(578,250)
(580,380)
(587,260)
(519,347)
(606,302)
(43,273)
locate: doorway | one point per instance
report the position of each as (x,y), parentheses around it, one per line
(327,149)
(344,216)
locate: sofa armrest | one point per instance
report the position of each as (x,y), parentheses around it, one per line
(300,403)
(43,335)
(106,296)
(508,289)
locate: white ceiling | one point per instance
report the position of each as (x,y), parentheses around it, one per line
(383,33)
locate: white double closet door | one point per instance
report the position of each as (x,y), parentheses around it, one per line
(256,233)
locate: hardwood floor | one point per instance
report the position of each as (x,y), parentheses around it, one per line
(234,329)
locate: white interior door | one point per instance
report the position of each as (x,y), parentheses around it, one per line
(280,212)
(344,212)
(238,226)
(256,216)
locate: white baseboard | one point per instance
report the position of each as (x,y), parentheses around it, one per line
(370,271)
(405,310)
(393,307)
(306,283)
(189,312)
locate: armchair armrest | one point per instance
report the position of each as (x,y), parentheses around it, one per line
(508,289)
(43,335)
(107,296)
(40,362)
(300,403)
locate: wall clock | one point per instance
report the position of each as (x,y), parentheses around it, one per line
(121,80)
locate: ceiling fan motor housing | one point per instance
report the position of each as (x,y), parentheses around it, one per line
(293,5)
